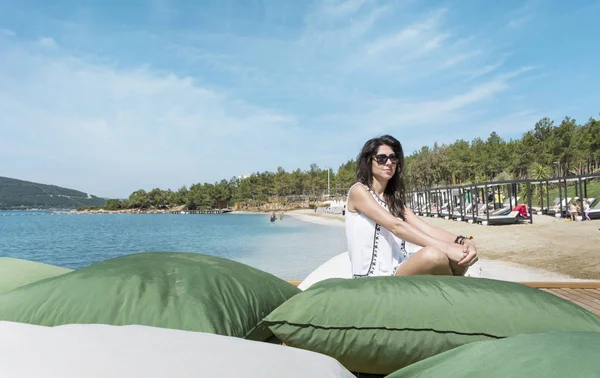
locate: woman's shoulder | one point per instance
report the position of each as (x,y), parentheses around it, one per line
(358,187)
(358,183)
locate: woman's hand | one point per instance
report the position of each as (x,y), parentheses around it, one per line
(470,253)
(456,252)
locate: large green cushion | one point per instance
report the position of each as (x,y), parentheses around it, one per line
(185,291)
(542,355)
(15,273)
(378,325)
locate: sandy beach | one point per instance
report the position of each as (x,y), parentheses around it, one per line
(550,249)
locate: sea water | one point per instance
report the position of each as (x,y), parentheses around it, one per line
(287,248)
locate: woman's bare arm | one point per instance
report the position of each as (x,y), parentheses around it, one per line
(436,232)
(360,200)
(439,233)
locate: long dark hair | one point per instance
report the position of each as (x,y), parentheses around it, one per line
(395,190)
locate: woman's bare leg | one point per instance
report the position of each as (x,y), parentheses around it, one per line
(428,261)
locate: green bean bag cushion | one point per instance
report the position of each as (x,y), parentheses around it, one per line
(184,291)
(542,355)
(15,273)
(379,325)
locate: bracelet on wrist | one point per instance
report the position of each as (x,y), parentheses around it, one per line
(461,239)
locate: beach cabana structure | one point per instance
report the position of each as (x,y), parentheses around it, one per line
(430,200)
(458,202)
(454,202)
(467,203)
(416,202)
(499,210)
(582,193)
(448,206)
(434,202)
(475,203)
(463,197)
(427,202)
(568,189)
(560,203)
(449,202)
(565,196)
(495,202)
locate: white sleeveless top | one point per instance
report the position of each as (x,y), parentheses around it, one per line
(373,250)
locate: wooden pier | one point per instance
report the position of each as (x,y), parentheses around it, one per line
(205,211)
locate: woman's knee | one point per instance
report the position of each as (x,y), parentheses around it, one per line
(434,256)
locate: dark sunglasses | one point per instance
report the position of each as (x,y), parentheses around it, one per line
(382,159)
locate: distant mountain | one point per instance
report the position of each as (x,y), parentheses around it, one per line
(19,194)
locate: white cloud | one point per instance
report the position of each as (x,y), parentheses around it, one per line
(456,59)
(339,23)
(413,116)
(339,8)
(393,41)
(408,114)
(47,42)
(138,127)
(482,71)
(423,32)
(522,15)
(353,70)
(417,50)
(375,69)
(7,33)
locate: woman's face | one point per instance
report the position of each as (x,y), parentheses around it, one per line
(384,167)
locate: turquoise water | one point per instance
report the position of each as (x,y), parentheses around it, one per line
(289,248)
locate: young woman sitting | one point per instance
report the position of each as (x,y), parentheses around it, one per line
(378,222)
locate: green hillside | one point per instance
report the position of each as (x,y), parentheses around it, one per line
(19,194)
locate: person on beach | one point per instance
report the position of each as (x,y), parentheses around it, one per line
(573,210)
(586,209)
(378,222)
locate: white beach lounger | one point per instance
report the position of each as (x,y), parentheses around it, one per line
(508,202)
(554,203)
(556,208)
(511,218)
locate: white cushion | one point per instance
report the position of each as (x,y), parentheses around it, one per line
(93,350)
(336,267)
(339,267)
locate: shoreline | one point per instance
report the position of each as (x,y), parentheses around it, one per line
(317,218)
(515,261)
(550,249)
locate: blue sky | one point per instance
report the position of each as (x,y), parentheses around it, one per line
(112,96)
